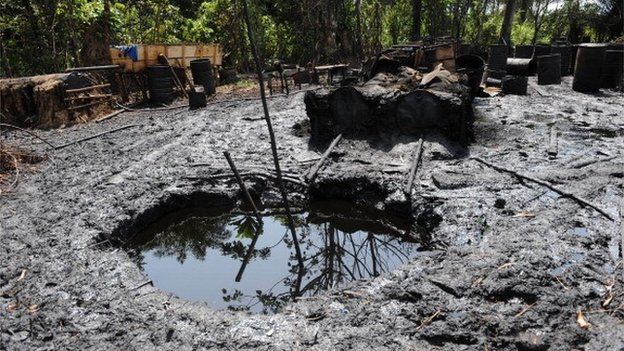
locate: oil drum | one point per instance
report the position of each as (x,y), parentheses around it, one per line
(521,66)
(564,51)
(203,75)
(473,66)
(497,60)
(541,50)
(160,81)
(515,85)
(549,69)
(612,71)
(524,51)
(588,67)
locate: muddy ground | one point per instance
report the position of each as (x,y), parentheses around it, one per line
(508,266)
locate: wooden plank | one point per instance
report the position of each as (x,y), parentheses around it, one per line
(73,108)
(81,90)
(414,167)
(89,97)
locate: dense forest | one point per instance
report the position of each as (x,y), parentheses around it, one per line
(42,36)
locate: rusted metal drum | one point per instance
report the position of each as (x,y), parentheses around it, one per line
(612,71)
(564,51)
(160,81)
(203,75)
(549,69)
(472,66)
(515,85)
(590,59)
(524,51)
(521,66)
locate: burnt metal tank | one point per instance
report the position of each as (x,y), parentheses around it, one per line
(588,68)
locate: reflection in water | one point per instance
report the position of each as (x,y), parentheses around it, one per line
(230,261)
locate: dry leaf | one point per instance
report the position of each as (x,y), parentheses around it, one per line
(33,308)
(582,322)
(22,275)
(12,307)
(608,300)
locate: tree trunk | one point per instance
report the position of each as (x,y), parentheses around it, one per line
(505,35)
(358,29)
(524,9)
(416,13)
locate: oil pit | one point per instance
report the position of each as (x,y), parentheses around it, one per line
(227,259)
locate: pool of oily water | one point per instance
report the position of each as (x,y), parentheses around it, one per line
(226,258)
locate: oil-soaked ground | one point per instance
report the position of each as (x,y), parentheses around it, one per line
(230,260)
(509,265)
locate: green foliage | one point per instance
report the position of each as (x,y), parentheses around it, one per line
(41,36)
(522,33)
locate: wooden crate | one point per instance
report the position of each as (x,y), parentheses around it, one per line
(179,55)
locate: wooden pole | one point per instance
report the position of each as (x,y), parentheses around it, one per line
(414,167)
(267,117)
(317,167)
(165,60)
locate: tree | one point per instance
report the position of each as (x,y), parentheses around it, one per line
(505,35)
(416,14)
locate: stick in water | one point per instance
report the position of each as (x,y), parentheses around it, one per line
(267,117)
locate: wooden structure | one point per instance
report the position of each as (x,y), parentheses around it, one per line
(179,55)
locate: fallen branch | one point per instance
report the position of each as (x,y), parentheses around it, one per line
(591,162)
(249,174)
(95,136)
(548,185)
(150,109)
(317,167)
(552,144)
(414,166)
(110,115)
(27,132)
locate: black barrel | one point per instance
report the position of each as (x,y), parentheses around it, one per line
(160,81)
(203,75)
(524,51)
(564,51)
(197,97)
(549,69)
(541,50)
(465,49)
(588,67)
(612,71)
(472,66)
(497,60)
(515,85)
(521,66)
